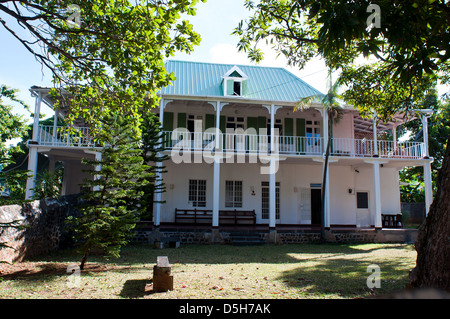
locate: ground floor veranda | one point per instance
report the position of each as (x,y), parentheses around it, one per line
(360,190)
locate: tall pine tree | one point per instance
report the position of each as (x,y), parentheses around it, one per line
(152,147)
(119,176)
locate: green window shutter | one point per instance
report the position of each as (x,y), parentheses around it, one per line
(252,122)
(223,129)
(288,130)
(288,126)
(181,120)
(244,87)
(209,121)
(223,124)
(301,132)
(262,123)
(168,121)
(230,87)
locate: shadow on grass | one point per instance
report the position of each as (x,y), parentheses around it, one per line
(215,254)
(135,288)
(346,278)
(332,272)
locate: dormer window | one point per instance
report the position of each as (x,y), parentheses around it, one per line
(234,82)
(237,88)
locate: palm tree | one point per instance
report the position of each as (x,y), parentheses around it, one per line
(332,105)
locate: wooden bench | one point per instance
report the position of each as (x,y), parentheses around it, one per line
(392,221)
(196,216)
(235,217)
(204,216)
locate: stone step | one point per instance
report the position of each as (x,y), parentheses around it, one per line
(246,239)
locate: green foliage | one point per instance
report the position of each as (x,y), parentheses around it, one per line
(48,185)
(13,183)
(371,88)
(412,38)
(438,133)
(152,147)
(116,53)
(12,126)
(112,207)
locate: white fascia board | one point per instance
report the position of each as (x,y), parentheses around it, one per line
(229,99)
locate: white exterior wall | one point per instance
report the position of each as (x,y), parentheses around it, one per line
(295,181)
(389,189)
(73,177)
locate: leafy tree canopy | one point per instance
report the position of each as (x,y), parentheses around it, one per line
(11,125)
(104,50)
(339,31)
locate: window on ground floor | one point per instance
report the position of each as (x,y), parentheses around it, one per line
(265,200)
(362,200)
(197,192)
(233,193)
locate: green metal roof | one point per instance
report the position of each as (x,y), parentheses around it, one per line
(264,83)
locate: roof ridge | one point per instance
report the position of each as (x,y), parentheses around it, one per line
(228,64)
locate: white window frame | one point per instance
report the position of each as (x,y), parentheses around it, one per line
(265,201)
(197,192)
(233,194)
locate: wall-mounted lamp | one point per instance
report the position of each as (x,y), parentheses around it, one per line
(356,171)
(350,191)
(252,190)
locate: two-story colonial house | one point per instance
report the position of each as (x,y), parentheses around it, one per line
(241,153)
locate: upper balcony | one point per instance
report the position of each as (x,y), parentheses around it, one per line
(292,145)
(80,137)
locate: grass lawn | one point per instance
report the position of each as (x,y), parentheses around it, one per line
(269,271)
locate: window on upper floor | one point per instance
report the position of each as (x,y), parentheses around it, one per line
(234,82)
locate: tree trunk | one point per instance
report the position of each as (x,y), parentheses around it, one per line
(85,256)
(433,243)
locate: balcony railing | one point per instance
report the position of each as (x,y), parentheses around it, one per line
(292,145)
(366,148)
(64,136)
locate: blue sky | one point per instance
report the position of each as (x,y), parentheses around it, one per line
(215,21)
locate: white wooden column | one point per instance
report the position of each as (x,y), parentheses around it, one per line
(55,126)
(32,149)
(272,168)
(394,135)
(32,167)
(326,208)
(324,113)
(374,133)
(327,211)
(428,186)
(427,178)
(376,194)
(425,135)
(216,172)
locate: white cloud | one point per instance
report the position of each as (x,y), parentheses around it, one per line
(227,54)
